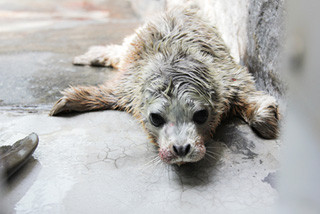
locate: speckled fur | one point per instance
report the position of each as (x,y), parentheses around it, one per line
(175,65)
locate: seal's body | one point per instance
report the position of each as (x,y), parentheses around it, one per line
(177,77)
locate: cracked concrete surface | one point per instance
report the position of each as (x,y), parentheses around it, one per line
(102,162)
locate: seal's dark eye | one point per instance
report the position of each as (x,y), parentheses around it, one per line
(156,120)
(200,117)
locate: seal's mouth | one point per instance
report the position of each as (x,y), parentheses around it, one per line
(168,156)
(180,163)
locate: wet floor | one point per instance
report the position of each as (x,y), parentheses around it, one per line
(33,78)
(38,43)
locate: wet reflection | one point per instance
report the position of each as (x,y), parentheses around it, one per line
(19,183)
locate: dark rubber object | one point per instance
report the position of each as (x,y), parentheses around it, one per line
(15,156)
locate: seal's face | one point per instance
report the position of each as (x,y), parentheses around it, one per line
(180,143)
(180,127)
(179,105)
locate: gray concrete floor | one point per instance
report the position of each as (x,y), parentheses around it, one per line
(38,41)
(101,162)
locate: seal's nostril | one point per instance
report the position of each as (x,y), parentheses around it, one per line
(181,150)
(187,149)
(176,149)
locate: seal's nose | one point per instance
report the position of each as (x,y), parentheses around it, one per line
(181,150)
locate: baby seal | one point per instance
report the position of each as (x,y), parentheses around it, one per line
(176,76)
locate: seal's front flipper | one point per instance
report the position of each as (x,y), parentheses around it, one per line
(85,98)
(261,112)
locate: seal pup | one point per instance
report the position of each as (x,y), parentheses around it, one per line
(177,77)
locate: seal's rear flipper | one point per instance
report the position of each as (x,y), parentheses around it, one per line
(100,56)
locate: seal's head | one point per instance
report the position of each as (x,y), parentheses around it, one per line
(179,111)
